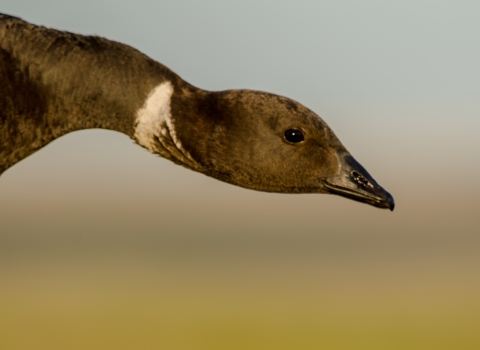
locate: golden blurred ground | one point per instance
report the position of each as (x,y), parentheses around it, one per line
(84,300)
(122,256)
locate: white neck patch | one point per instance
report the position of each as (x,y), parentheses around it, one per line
(154,113)
(155,127)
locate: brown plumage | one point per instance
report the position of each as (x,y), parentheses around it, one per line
(55,82)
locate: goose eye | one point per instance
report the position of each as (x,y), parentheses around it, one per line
(294,136)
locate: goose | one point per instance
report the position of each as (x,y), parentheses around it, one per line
(55,82)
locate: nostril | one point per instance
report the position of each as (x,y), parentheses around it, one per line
(360,179)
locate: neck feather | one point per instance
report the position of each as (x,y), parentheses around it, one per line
(56,82)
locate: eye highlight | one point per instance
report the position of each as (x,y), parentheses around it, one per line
(293,136)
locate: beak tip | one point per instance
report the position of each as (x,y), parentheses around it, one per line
(391,202)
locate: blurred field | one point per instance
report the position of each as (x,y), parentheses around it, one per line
(100,264)
(252,300)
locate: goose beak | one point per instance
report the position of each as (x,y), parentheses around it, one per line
(354,182)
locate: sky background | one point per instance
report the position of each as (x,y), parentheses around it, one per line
(103,245)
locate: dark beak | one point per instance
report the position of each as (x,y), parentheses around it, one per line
(354,182)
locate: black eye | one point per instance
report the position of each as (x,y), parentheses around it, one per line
(294,136)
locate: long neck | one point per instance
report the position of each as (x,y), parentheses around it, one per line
(53,83)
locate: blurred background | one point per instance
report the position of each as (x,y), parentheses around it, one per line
(104,246)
